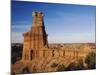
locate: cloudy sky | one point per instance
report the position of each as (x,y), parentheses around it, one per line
(64,23)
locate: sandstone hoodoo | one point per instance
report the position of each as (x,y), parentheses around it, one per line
(36,38)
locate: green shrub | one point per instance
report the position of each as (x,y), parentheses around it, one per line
(25,70)
(54,65)
(90,60)
(61,67)
(76,65)
(72,66)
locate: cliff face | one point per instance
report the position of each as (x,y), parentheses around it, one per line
(44,62)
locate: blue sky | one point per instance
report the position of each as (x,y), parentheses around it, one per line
(64,23)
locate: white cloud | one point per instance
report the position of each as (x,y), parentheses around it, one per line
(17,31)
(16,37)
(72,38)
(21,27)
